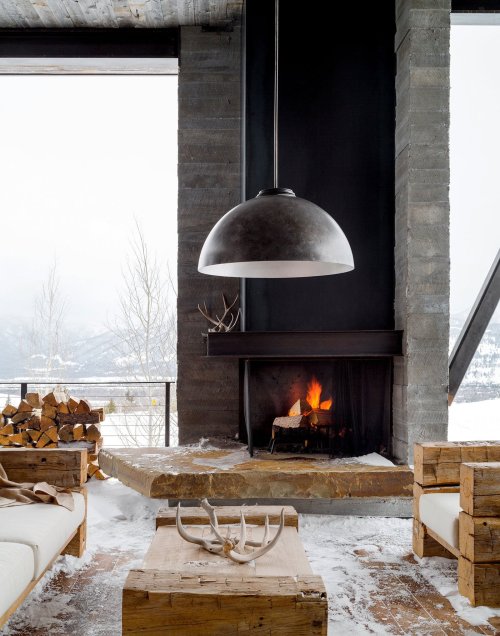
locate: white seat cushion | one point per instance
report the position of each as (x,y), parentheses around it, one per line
(17,567)
(439,512)
(46,528)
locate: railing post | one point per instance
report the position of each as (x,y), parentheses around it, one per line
(24,389)
(167,413)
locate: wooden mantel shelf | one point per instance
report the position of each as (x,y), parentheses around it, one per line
(267,345)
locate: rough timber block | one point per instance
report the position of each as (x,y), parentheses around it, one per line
(480,489)
(65,468)
(479,582)
(479,538)
(439,463)
(426,546)
(183,589)
(229,514)
(159,603)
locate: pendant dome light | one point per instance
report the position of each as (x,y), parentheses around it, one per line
(276,234)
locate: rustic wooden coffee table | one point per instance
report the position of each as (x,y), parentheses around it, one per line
(181,589)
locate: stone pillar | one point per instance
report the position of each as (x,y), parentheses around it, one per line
(422,223)
(209,185)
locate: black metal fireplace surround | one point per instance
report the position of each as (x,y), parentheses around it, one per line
(353,367)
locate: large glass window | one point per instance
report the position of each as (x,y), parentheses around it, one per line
(475,214)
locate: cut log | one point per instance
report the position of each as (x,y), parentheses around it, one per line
(34,422)
(99,475)
(48,410)
(100,412)
(93,433)
(43,441)
(66,433)
(8,429)
(34,434)
(52,434)
(26,438)
(78,418)
(20,417)
(79,431)
(62,407)
(24,407)
(9,410)
(83,407)
(17,439)
(92,469)
(34,400)
(291,421)
(45,423)
(51,398)
(299,408)
(24,425)
(72,404)
(320,417)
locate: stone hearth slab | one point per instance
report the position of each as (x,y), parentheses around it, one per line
(193,473)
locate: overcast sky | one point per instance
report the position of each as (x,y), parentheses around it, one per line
(475,159)
(80,157)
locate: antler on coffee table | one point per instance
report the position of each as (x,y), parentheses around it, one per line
(231,547)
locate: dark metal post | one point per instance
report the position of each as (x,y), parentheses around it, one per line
(246,405)
(24,389)
(474,328)
(167,413)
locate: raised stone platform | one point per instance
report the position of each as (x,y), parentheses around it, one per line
(188,474)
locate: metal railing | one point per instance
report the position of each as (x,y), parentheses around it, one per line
(136,413)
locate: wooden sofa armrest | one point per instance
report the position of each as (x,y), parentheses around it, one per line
(480,488)
(66,468)
(438,463)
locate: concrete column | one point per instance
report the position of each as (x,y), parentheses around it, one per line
(422,222)
(209,185)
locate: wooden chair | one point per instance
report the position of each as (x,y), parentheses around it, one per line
(457,512)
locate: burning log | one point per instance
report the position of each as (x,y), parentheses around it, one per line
(293,421)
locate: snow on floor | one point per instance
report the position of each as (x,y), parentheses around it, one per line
(121,520)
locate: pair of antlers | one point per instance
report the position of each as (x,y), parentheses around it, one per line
(219,324)
(231,547)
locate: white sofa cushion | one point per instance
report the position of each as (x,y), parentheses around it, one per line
(439,512)
(46,528)
(17,568)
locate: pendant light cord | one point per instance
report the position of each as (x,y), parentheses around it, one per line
(276,64)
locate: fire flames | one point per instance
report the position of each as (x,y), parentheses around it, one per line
(314,390)
(312,402)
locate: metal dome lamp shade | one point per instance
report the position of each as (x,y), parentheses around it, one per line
(276,234)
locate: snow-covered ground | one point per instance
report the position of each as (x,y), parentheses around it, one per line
(474,420)
(339,548)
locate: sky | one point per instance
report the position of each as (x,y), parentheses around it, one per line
(81,157)
(474,159)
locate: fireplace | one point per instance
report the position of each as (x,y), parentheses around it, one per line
(357,422)
(354,369)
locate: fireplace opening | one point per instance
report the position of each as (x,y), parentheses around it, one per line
(341,407)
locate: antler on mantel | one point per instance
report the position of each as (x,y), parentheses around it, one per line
(222,325)
(233,548)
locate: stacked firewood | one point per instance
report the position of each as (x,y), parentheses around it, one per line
(56,420)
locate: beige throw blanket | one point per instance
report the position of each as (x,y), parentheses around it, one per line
(13,494)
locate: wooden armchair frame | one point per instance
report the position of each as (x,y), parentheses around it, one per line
(473,470)
(66,468)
